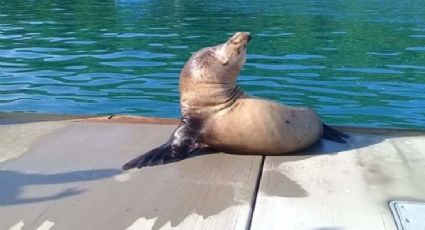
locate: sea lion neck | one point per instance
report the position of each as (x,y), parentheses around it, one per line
(208,79)
(204,97)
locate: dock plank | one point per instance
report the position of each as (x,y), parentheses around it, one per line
(71,179)
(337,186)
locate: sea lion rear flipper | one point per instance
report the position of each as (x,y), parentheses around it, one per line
(333,134)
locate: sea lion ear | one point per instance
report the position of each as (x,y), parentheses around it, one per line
(225,61)
(222,57)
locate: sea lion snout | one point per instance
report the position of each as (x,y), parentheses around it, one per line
(240,38)
(232,52)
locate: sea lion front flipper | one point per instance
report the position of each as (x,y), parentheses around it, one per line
(181,145)
(333,134)
(153,157)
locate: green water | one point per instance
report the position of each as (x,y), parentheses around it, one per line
(358,63)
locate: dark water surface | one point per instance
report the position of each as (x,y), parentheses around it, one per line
(357,63)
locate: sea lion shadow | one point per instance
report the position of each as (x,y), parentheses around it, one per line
(14,183)
(356,140)
(327,147)
(284,186)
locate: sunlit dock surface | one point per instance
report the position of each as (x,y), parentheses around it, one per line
(58,173)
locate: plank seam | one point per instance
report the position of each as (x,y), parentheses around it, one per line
(255,195)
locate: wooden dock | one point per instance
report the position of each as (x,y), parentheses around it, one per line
(65,174)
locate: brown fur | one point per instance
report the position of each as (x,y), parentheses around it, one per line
(233,121)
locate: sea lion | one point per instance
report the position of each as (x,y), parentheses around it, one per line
(218,115)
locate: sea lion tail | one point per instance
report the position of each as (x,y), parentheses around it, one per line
(333,134)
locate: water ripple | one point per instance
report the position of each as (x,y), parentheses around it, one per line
(384,53)
(132,63)
(370,70)
(285,57)
(304,74)
(38,22)
(40,49)
(268,34)
(407,67)
(345,59)
(284,66)
(80,42)
(135,35)
(13,54)
(133,53)
(417,36)
(418,48)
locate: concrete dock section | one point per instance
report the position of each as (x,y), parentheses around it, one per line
(66,174)
(342,187)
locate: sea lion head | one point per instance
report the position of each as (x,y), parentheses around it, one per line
(233,52)
(218,64)
(209,76)
(231,56)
